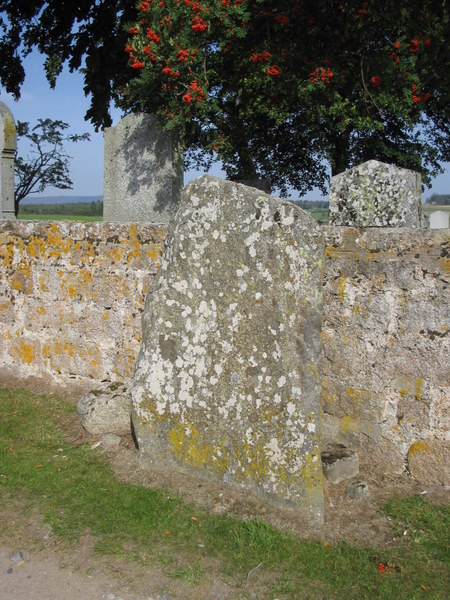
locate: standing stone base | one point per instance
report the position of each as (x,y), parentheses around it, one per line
(227,382)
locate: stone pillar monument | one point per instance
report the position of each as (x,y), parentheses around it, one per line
(143,172)
(227,383)
(376,194)
(8,147)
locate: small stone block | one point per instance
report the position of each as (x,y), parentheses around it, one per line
(339,463)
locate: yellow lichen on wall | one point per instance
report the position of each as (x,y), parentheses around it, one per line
(421,446)
(341,288)
(72,287)
(25,352)
(349,424)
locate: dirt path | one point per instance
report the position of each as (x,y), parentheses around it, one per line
(40,577)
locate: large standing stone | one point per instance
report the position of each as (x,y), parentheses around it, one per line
(143,172)
(376,194)
(227,382)
(8,147)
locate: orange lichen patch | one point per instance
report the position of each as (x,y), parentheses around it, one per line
(41,310)
(64,356)
(36,247)
(341,288)
(72,291)
(86,275)
(445,265)
(58,348)
(21,279)
(55,242)
(332,252)
(421,446)
(419,384)
(4,306)
(25,352)
(115,254)
(154,252)
(43,283)
(133,240)
(135,254)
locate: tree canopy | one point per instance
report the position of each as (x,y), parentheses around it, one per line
(272,88)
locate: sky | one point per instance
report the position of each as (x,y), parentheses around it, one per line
(68,103)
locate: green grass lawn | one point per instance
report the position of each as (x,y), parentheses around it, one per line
(40,217)
(75,491)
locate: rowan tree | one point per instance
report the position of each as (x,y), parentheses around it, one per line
(272,88)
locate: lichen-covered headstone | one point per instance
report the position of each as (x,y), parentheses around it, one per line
(227,382)
(143,172)
(8,147)
(376,194)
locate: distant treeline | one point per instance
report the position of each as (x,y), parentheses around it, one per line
(82,209)
(311,204)
(439,199)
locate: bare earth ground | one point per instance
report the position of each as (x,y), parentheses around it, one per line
(52,570)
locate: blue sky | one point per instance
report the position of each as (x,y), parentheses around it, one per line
(68,103)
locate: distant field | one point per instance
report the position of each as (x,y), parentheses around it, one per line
(430,208)
(320,214)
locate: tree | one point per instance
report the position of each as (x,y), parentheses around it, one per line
(47,164)
(87,35)
(273,88)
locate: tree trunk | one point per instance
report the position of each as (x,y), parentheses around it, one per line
(339,155)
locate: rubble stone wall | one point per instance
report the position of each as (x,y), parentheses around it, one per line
(386,345)
(71,298)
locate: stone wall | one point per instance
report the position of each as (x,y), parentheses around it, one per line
(386,347)
(72,295)
(71,298)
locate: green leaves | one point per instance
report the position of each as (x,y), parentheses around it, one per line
(342,72)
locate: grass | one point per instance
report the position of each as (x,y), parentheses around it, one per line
(430,208)
(56,217)
(75,491)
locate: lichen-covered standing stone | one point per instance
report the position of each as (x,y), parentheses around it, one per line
(227,382)
(376,194)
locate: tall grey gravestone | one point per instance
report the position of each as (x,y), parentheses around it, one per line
(8,147)
(376,194)
(143,172)
(227,382)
